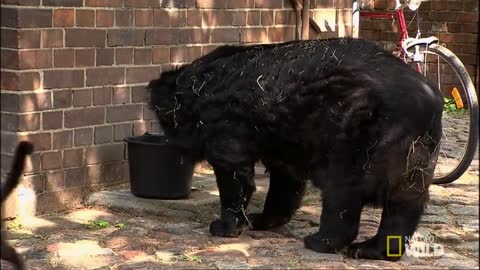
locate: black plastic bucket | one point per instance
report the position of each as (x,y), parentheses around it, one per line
(158,169)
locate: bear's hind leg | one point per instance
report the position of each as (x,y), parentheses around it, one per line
(283,198)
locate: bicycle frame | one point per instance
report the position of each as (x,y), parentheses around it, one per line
(398,16)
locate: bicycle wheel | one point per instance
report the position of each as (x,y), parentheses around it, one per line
(459,141)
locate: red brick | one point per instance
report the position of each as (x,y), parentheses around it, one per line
(105,56)
(266,17)
(143,17)
(112,172)
(63,3)
(30,59)
(62,139)
(55,181)
(470,27)
(217,18)
(52,38)
(178,4)
(8,121)
(161,36)
(468,17)
(177,18)
(125,37)
(189,36)
(35,102)
(139,128)
(123,18)
(10,38)
(34,18)
(193,53)
(161,17)
(143,56)
(239,18)
(82,98)
(470,5)
(102,96)
(212,4)
(33,164)
(64,58)
(123,56)
(85,37)
(121,95)
(82,136)
(459,38)
(281,34)
(104,18)
(63,78)
(9,102)
(268,4)
(28,122)
(122,131)
(288,17)
(444,16)
(22,2)
(63,17)
(84,117)
(253,17)
(51,160)
(52,120)
(253,35)
(105,76)
(225,35)
(9,59)
(85,17)
(124,113)
(194,18)
(148,114)
(103,3)
(35,182)
(178,54)
(160,55)
(139,94)
(234,4)
(104,153)
(73,157)
(84,57)
(42,141)
(8,142)
(142,74)
(27,39)
(103,134)
(76,177)
(62,99)
(9,17)
(143,3)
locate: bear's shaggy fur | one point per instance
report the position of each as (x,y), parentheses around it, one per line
(358,122)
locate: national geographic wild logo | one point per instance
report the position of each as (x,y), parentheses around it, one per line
(419,246)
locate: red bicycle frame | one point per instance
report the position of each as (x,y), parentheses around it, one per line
(397,15)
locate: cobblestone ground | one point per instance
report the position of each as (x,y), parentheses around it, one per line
(134,241)
(153,242)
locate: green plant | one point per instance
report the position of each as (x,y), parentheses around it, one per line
(97,224)
(449,106)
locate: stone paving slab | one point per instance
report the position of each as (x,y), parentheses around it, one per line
(157,234)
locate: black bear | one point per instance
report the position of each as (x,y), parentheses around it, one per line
(359,123)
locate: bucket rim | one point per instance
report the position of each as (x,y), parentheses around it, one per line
(131,139)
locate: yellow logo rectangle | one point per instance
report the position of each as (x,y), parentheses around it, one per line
(390,237)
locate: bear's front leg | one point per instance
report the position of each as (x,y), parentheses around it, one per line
(236,186)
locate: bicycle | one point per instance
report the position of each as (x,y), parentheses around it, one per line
(436,62)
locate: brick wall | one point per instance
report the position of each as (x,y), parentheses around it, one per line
(73,74)
(454,22)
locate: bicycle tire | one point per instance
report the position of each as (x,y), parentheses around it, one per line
(471,99)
